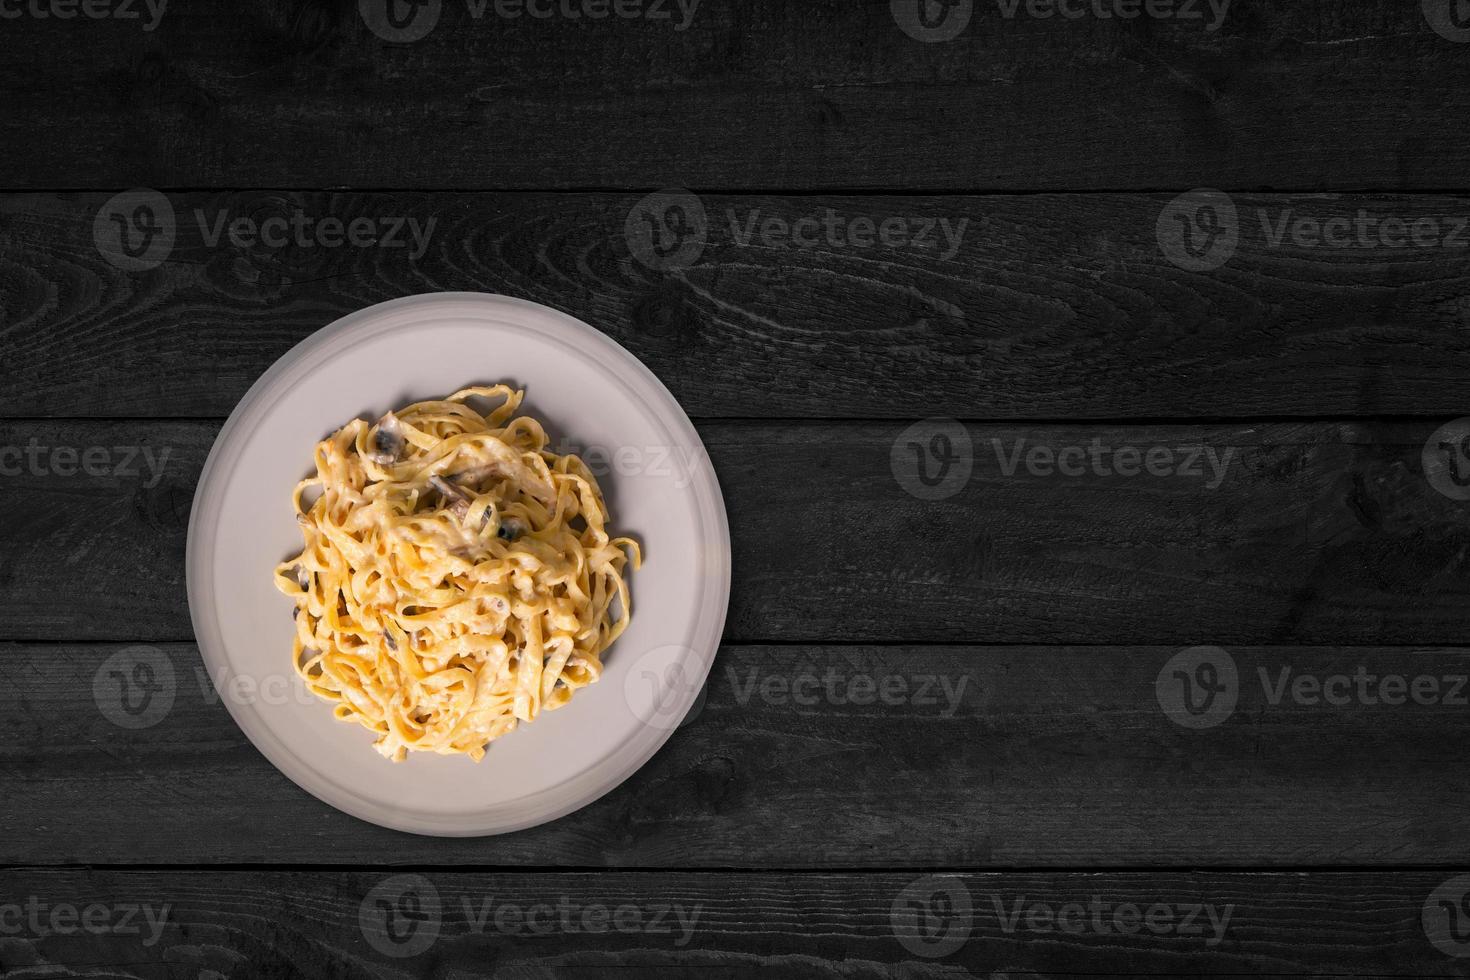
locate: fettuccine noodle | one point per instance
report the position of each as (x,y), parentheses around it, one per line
(457,576)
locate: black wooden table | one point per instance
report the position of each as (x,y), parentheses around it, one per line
(1087,385)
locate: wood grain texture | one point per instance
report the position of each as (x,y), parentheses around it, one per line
(943,653)
(1050,306)
(1297,533)
(769,94)
(363,925)
(803,757)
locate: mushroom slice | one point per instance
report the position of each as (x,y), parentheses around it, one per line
(455,498)
(388,441)
(511,528)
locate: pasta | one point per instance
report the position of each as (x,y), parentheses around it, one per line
(457,576)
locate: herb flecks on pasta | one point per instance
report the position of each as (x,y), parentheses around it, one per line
(457,576)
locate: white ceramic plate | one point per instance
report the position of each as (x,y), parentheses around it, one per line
(593,397)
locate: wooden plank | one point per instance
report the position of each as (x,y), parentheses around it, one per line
(1028,307)
(1296,533)
(809,757)
(1345,94)
(369,925)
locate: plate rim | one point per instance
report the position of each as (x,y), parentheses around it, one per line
(554,802)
